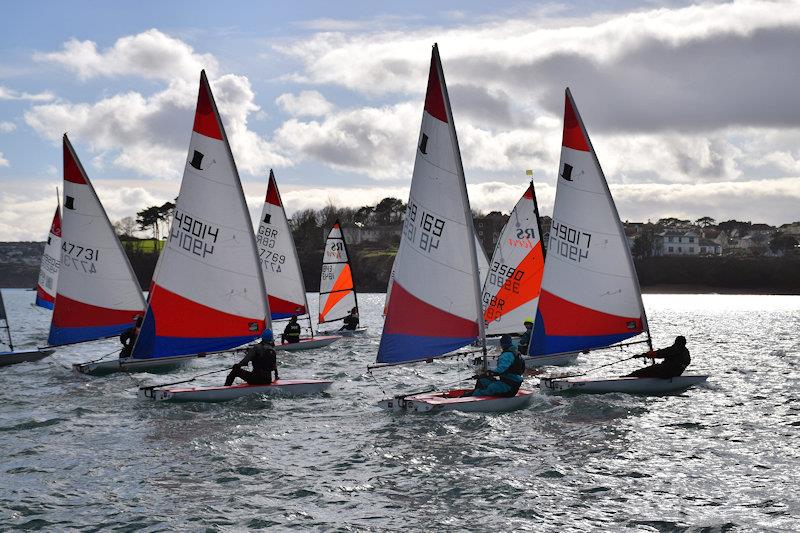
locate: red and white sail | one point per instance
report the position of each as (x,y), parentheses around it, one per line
(51,259)
(434,306)
(278,255)
(208,292)
(97,294)
(590,293)
(511,291)
(337,294)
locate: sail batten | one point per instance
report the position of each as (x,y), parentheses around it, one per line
(434,304)
(97,294)
(590,294)
(208,292)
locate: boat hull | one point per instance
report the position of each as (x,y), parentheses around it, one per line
(623,384)
(308,344)
(438,401)
(110,366)
(345,332)
(23,356)
(562,359)
(285,388)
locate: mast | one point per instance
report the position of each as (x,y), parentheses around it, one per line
(621,228)
(5,320)
(538,218)
(467,210)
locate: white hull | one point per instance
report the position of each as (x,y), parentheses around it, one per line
(438,401)
(283,387)
(345,332)
(628,385)
(131,365)
(308,344)
(22,356)
(561,359)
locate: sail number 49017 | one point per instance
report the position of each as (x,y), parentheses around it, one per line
(569,243)
(421,228)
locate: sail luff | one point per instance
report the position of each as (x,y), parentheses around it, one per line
(465,198)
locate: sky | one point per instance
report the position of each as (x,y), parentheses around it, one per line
(693,108)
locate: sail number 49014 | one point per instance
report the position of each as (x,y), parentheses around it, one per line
(569,243)
(421,228)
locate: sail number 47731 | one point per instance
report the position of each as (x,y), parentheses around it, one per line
(421,228)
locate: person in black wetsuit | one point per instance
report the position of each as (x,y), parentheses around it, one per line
(291,334)
(262,358)
(351,320)
(128,338)
(525,338)
(676,359)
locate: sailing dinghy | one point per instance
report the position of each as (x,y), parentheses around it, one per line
(19,356)
(207,294)
(435,306)
(51,259)
(280,267)
(337,292)
(97,295)
(590,296)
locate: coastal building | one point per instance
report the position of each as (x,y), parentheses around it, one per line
(677,242)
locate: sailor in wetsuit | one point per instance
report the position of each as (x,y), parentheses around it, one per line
(506,379)
(262,357)
(291,334)
(676,359)
(351,320)
(525,338)
(128,338)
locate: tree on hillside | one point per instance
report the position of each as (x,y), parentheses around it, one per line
(672,222)
(644,244)
(704,222)
(125,227)
(389,211)
(364,215)
(782,243)
(148,219)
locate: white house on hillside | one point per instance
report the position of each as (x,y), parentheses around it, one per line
(672,242)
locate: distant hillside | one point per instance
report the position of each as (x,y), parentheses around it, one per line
(372,264)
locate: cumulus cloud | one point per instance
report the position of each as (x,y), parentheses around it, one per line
(149,133)
(7,127)
(3,161)
(304,104)
(7,93)
(374,141)
(150,54)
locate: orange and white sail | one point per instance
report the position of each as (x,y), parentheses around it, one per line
(278,255)
(511,291)
(337,294)
(51,260)
(208,291)
(590,293)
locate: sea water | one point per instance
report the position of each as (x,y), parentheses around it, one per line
(85,453)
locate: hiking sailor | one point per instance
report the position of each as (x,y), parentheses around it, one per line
(291,334)
(262,358)
(676,359)
(506,379)
(351,320)
(525,338)
(128,338)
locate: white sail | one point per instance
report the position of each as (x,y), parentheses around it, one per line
(483,261)
(97,294)
(590,293)
(435,300)
(208,293)
(337,295)
(511,292)
(51,260)
(279,262)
